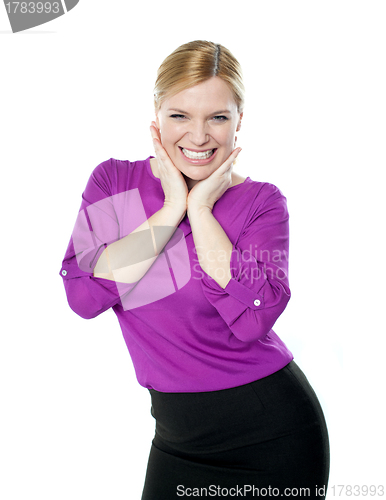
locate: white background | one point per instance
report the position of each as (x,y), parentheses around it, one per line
(75,424)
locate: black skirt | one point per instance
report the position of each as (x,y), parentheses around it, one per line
(266,438)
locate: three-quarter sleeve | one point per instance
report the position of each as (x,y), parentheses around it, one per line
(86,295)
(258,291)
(96,226)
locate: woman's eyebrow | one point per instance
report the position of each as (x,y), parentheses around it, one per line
(221,112)
(215,113)
(178,111)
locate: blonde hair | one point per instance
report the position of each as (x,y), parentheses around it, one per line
(194,63)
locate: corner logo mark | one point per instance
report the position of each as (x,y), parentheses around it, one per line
(25,15)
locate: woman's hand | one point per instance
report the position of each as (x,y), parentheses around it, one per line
(172,181)
(206,192)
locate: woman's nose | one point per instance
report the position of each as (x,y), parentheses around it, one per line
(198,134)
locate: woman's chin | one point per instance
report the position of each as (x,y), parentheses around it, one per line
(197,172)
(196,176)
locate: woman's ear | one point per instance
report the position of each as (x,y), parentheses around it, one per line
(239,123)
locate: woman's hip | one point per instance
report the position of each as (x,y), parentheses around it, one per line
(217,421)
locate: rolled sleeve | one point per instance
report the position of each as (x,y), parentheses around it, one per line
(258,291)
(87,295)
(245,295)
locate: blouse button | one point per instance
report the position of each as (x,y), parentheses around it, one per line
(257,302)
(64,272)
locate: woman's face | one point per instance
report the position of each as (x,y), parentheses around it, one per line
(198,127)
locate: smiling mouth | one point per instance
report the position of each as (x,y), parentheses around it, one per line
(198,155)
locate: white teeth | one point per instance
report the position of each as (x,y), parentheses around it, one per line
(202,155)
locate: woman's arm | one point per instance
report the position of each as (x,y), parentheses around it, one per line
(92,288)
(128,259)
(213,246)
(258,291)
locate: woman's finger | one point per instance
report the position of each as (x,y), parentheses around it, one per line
(154,130)
(228,162)
(156,139)
(164,161)
(160,151)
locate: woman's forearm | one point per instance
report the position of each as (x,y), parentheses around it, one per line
(128,259)
(214,249)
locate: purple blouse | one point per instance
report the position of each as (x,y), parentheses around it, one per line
(183,331)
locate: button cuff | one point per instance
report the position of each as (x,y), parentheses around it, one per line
(244,294)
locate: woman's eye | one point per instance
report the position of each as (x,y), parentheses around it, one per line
(220,118)
(178,117)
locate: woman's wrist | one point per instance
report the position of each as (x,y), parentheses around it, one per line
(195,209)
(175,211)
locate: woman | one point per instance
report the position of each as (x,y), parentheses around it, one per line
(193,259)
